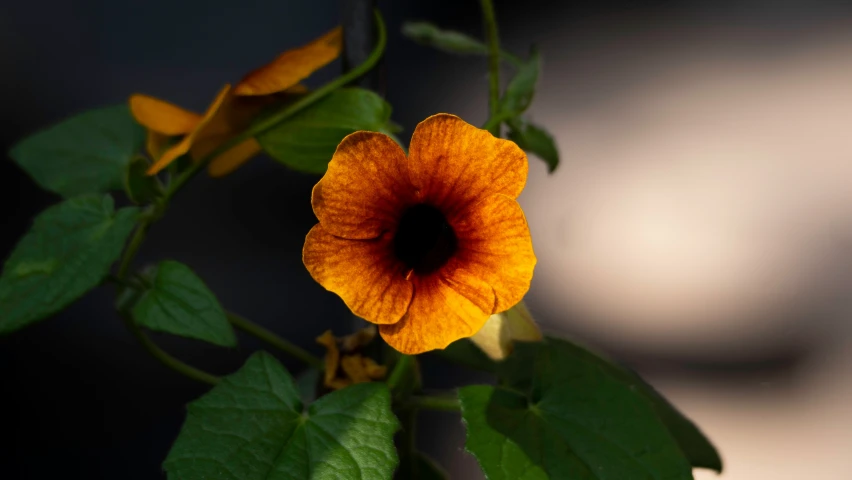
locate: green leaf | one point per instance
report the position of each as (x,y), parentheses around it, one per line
(307,140)
(697,448)
(449,41)
(519,93)
(179,303)
(140,187)
(251,427)
(536,140)
(693,443)
(66,253)
(87,153)
(307,383)
(577,420)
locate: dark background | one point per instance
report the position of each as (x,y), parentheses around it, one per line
(81,399)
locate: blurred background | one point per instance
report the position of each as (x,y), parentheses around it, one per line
(699,227)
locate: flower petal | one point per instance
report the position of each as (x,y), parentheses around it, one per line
(454,164)
(494,244)
(156,143)
(182,147)
(234,115)
(363,273)
(161,116)
(355,368)
(332,357)
(292,66)
(233,158)
(443,310)
(364,190)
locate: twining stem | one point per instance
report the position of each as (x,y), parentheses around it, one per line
(272,339)
(132,248)
(444,403)
(287,112)
(407,443)
(179,181)
(400,370)
(493,124)
(164,357)
(240,322)
(493,63)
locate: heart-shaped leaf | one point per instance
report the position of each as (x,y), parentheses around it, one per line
(66,253)
(575,417)
(251,427)
(178,302)
(307,140)
(87,153)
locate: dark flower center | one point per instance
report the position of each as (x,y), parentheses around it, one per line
(424,240)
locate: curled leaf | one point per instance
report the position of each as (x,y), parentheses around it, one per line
(501,330)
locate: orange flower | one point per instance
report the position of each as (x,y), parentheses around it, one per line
(292,66)
(428,245)
(231,111)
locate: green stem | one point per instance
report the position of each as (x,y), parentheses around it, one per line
(440,403)
(179,181)
(263,334)
(133,248)
(493,62)
(493,124)
(164,357)
(407,443)
(400,370)
(290,110)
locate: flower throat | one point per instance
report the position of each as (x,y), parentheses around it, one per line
(424,239)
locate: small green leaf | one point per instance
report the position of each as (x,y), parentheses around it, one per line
(66,253)
(536,140)
(307,141)
(179,303)
(87,153)
(140,187)
(251,427)
(576,420)
(519,93)
(449,41)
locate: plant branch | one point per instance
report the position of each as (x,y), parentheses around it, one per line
(442,403)
(290,110)
(402,367)
(164,357)
(272,339)
(406,441)
(132,248)
(179,181)
(493,63)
